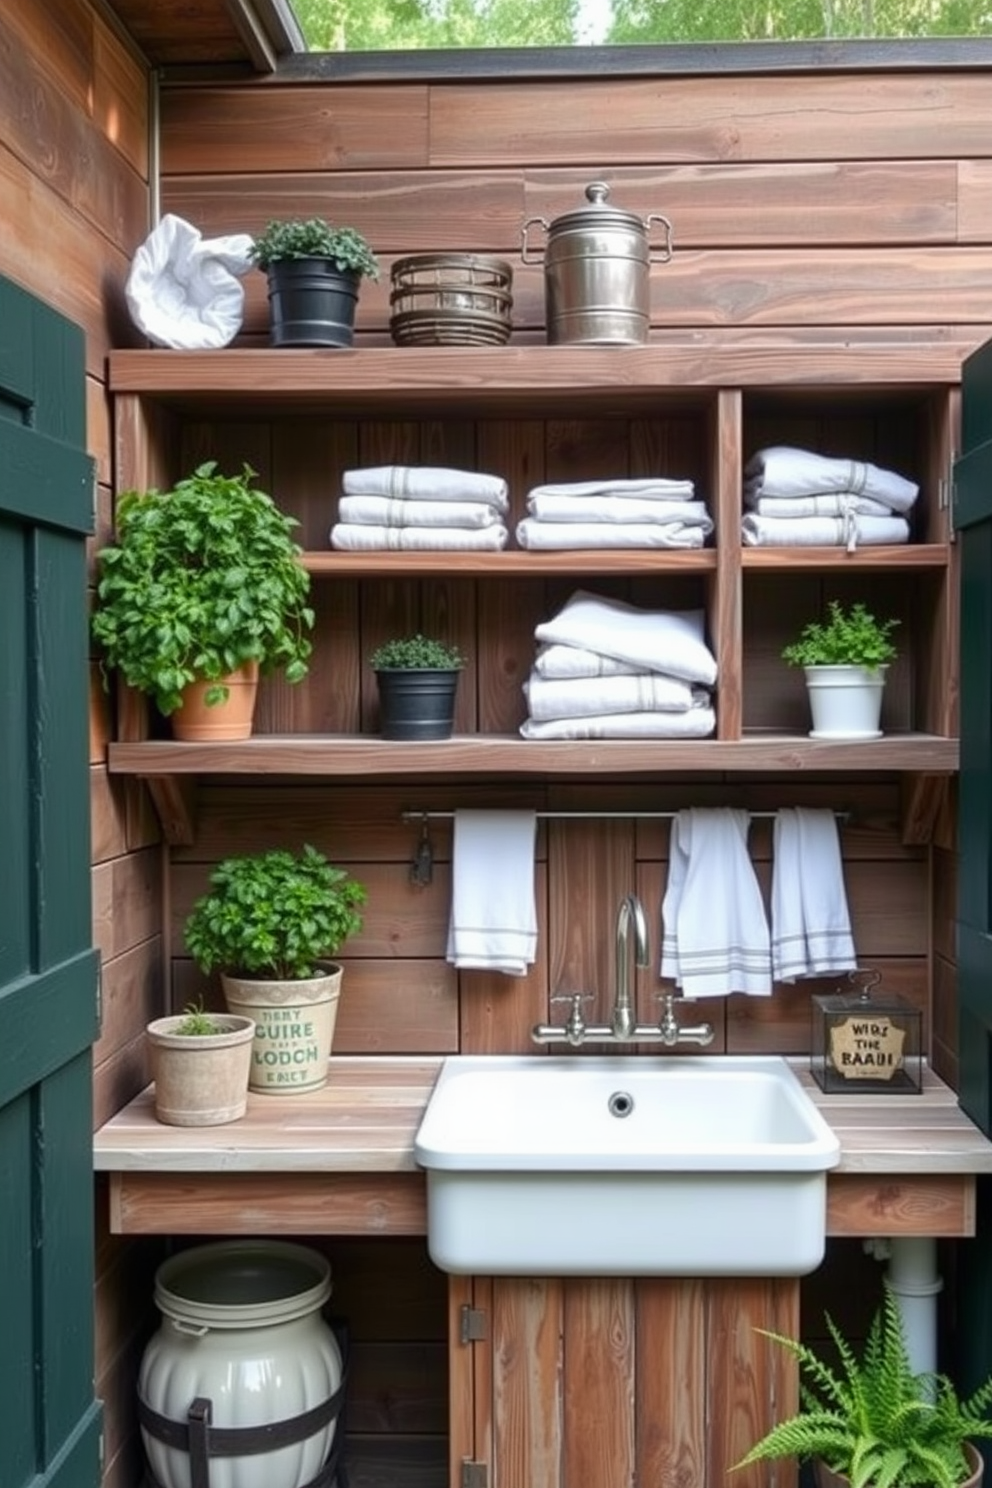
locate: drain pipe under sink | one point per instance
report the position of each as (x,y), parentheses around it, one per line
(915,1283)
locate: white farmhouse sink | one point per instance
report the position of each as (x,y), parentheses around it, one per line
(707,1165)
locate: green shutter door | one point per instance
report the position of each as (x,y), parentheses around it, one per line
(50,1431)
(973,482)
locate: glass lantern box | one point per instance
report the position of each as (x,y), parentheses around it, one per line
(866,1041)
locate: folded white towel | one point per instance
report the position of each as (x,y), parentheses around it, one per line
(356,537)
(698,723)
(822,532)
(573,661)
(651,488)
(669,641)
(616,509)
(715,936)
(431,482)
(782,470)
(383,511)
(580,697)
(493,924)
(816,506)
(552,536)
(811,926)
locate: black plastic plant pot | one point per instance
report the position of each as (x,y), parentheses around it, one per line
(416,703)
(311,303)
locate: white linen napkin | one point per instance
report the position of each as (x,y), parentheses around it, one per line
(811,924)
(383,511)
(432,482)
(359,537)
(573,661)
(850,531)
(715,936)
(615,509)
(698,723)
(578,697)
(493,923)
(647,488)
(668,641)
(782,470)
(555,536)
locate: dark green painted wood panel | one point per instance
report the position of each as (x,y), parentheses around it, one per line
(51,1422)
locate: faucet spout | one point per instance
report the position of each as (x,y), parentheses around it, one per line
(630,914)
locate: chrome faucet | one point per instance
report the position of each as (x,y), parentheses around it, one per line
(630,912)
(623,1027)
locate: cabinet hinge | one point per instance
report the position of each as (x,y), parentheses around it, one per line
(474,1474)
(947,497)
(472,1324)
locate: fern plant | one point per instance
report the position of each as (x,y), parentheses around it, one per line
(873,1420)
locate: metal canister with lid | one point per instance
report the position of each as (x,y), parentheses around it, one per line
(597,264)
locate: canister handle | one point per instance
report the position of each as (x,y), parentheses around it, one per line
(523,238)
(666,250)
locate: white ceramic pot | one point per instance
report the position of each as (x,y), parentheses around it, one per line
(294,1029)
(242,1328)
(845,701)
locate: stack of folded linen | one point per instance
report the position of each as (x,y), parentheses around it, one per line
(796,498)
(605,670)
(651,513)
(420,508)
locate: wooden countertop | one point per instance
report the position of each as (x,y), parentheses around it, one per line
(340,1160)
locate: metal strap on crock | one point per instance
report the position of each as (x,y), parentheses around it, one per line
(203,1441)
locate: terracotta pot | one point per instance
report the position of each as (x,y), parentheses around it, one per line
(196,721)
(200,1079)
(827,1479)
(295,1029)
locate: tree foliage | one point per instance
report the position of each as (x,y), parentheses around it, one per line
(403,25)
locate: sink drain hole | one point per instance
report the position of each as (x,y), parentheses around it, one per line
(620,1103)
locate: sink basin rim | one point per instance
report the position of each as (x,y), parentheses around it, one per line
(441,1145)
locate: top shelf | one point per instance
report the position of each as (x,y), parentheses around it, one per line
(439,379)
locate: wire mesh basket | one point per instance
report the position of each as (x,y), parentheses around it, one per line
(450,299)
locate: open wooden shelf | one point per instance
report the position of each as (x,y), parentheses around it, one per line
(487,755)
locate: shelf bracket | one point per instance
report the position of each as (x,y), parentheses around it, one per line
(923,799)
(174,799)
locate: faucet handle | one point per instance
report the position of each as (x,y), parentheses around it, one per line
(575,1024)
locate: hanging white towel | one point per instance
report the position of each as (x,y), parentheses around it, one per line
(431,482)
(782,470)
(715,936)
(698,723)
(668,641)
(359,537)
(556,536)
(811,925)
(493,924)
(382,511)
(579,697)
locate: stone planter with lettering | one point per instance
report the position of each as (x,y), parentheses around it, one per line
(294,1029)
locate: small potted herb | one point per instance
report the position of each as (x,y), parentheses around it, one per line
(268,924)
(200,1062)
(201,593)
(871,1422)
(314,271)
(845,659)
(417,678)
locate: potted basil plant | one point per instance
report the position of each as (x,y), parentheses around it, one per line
(268,924)
(417,677)
(845,659)
(314,272)
(202,593)
(871,1422)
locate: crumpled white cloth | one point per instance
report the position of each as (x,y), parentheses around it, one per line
(669,641)
(183,290)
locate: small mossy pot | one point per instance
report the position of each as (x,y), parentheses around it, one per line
(417,679)
(314,272)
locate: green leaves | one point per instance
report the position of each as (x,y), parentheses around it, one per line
(273,915)
(201,579)
(873,1420)
(848,638)
(345,247)
(416,652)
